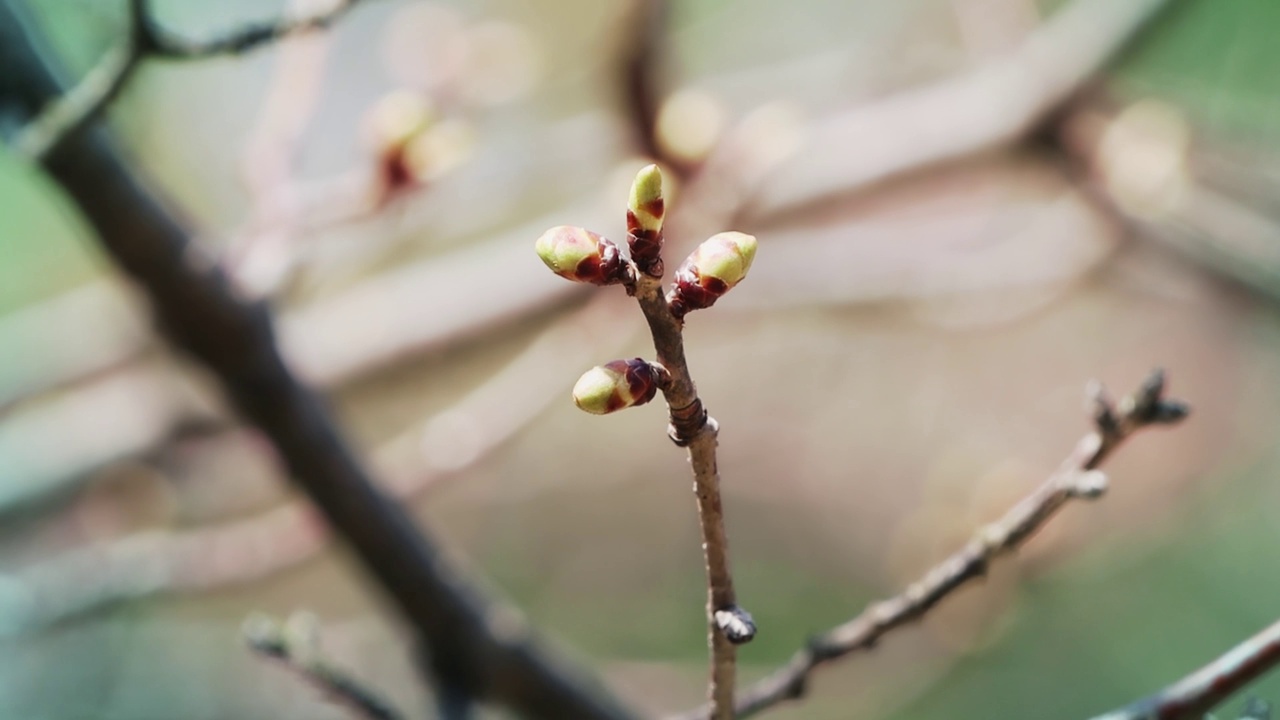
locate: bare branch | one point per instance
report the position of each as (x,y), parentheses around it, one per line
(1077,477)
(476,645)
(295,644)
(1199,692)
(691,427)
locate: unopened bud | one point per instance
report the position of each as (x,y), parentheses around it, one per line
(718,264)
(645,211)
(616,385)
(581,255)
(392,126)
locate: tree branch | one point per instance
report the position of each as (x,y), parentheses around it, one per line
(73,110)
(70,112)
(163,43)
(476,646)
(693,428)
(295,644)
(1199,692)
(1077,477)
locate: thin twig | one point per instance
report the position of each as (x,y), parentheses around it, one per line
(1076,477)
(476,644)
(1199,692)
(693,428)
(295,645)
(145,38)
(162,43)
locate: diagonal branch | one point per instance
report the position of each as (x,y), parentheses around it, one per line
(477,646)
(163,43)
(1192,696)
(295,644)
(248,549)
(1077,477)
(75,108)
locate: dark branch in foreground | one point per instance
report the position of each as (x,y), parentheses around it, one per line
(295,645)
(477,646)
(1199,692)
(1077,477)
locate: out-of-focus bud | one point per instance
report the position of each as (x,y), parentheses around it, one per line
(392,125)
(645,211)
(439,149)
(616,385)
(581,255)
(689,124)
(718,264)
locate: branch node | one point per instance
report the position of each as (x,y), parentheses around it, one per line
(737,624)
(1089,485)
(687,422)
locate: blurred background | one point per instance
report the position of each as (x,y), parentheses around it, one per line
(960,224)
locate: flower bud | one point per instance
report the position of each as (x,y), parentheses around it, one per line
(645,212)
(392,126)
(581,255)
(616,385)
(718,264)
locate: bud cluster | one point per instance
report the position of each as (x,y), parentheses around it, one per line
(575,253)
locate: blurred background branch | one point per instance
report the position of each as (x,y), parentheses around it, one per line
(943,190)
(1211,685)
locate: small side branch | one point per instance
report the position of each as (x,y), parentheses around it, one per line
(70,112)
(145,38)
(162,43)
(1077,477)
(296,645)
(1199,692)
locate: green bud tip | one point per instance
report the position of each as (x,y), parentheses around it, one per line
(616,385)
(580,255)
(726,257)
(398,118)
(646,206)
